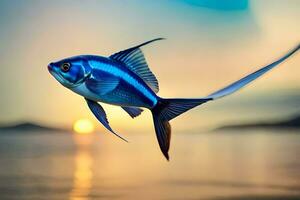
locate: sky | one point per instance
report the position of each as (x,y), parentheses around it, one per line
(209,45)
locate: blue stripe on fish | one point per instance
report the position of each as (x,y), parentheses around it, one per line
(123,73)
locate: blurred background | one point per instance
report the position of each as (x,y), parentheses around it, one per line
(52,147)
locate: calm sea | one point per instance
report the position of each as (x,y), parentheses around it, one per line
(221,166)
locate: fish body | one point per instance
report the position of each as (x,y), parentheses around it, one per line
(131,90)
(124,79)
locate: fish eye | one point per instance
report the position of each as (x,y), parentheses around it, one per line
(65,67)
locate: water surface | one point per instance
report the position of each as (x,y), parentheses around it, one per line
(239,166)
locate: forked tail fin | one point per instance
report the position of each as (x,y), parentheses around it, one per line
(167,109)
(164,111)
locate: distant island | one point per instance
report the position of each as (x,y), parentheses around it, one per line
(291,123)
(29,127)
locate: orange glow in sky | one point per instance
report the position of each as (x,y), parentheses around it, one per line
(206,49)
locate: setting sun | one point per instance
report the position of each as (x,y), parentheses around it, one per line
(83,126)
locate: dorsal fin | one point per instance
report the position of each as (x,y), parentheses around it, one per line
(134,59)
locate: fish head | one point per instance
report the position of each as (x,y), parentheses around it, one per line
(70,72)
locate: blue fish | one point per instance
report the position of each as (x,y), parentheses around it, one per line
(124,79)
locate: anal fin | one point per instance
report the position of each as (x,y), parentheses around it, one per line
(133,111)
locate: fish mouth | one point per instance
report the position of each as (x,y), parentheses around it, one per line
(57,76)
(51,71)
(61,80)
(50,68)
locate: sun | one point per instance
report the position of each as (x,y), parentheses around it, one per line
(83,126)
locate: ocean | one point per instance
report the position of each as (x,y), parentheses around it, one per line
(254,164)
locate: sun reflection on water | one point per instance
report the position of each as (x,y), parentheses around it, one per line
(83,173)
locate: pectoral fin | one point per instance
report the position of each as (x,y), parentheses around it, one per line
(101,83)
(133,111)
(100,114)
